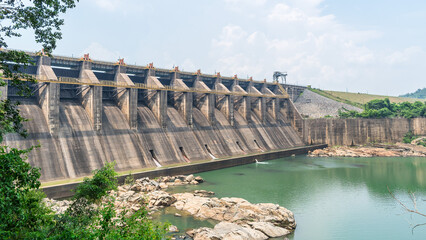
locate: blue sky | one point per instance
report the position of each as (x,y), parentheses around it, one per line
(361,46)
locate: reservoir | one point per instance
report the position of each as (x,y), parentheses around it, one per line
(331,198)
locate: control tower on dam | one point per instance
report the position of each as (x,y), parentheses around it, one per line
(84,113)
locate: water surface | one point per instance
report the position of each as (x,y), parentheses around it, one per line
(332,198)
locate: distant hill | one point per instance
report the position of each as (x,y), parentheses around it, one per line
(420,93)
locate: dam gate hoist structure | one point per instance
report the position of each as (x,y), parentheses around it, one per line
(84,113)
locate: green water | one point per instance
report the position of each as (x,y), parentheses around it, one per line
(332,198)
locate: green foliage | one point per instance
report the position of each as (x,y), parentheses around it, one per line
(16,15)
(41,16)
(130,179)
(383,108)
(22,213)
(93,189)
(86,220)
(422,142)
(408,137)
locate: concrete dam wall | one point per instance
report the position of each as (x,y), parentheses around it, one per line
(360,131)
(142,117)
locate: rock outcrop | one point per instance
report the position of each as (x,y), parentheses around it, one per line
(376,150)
(143,191)
(239,218)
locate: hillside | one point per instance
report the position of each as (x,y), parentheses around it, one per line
(420,93)
(359,99)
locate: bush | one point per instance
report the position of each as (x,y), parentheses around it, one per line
(408,137)
(383,108)
(93,189)
(85,220)
(22,212)
(130,179)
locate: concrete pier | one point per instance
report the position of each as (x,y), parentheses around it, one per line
(91,96)
(182,101)
(273,103)
(242,104)
(126,98)
(205,102)
(258,104)
(156,99)
(48,93)
(225,103)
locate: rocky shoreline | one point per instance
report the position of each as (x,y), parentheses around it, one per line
(372,150)
(238,218)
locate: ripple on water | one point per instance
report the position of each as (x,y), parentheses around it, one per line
(332,198)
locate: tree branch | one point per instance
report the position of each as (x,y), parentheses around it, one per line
(413,198)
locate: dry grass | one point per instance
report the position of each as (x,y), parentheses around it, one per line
(362,98)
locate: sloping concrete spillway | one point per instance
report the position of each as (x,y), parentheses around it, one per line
(78,149)
(83,125)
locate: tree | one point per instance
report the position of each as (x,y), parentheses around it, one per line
(92,215)
(383,108)
(22,214)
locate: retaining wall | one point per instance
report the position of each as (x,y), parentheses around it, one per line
(360,131)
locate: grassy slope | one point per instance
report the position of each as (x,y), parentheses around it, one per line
(358,99)
(363,98)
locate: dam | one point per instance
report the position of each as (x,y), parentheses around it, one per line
(84,113)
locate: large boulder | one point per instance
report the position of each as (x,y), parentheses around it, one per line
(269,229)
(228,231)
(160,199)
(269,219)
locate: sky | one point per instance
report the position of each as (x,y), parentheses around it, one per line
(369,46)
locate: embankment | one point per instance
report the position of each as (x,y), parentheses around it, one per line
(360,131)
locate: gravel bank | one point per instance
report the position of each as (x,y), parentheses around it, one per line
(314,105)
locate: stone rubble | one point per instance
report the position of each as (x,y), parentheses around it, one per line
(375,150)
(238,218)
(143,191)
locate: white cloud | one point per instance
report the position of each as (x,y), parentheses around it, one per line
(314,48)
(285,13)
(188,65)
(404,56)
(231,34)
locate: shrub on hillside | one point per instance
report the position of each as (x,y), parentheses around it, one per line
(408,137)
(383,108)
